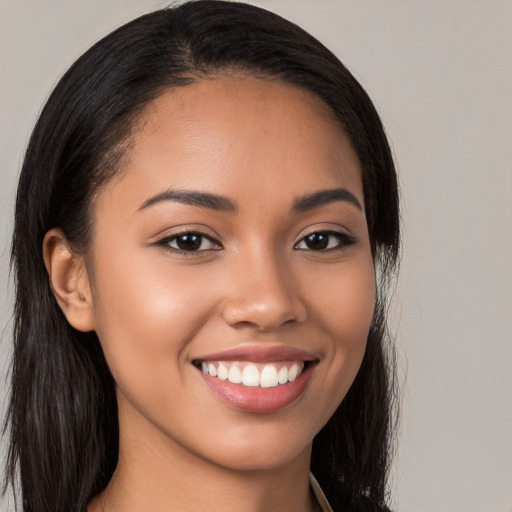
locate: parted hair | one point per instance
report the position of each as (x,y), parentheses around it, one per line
(62,415)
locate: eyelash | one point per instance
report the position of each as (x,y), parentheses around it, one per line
(168,240)
(343,241)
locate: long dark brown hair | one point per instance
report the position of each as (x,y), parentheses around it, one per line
(62,416)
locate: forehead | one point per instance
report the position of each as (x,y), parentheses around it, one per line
(236,135)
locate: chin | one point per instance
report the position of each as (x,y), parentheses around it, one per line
(261,456)
(260,447)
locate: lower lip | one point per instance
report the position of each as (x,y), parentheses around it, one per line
(257,399)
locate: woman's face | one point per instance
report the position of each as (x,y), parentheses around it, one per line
(233,242)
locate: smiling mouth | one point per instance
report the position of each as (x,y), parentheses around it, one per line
(268,381)
(254,374)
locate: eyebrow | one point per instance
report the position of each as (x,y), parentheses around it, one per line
(310,201)
(220,203)
(193,198)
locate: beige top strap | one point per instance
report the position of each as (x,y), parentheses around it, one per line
(319,494)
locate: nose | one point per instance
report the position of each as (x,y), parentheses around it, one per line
(263,294)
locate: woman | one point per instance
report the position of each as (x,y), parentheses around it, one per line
(217,208)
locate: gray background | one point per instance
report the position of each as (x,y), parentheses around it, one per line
(440,74)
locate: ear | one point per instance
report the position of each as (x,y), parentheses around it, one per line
(69,280)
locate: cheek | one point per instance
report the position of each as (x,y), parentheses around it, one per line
(343,305)
(146,313)
(344,302)
(147,321)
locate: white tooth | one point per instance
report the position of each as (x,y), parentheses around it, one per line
(269,377)
(212,370)
(235,375)
(293,372)
(251,376)
(282,376)
(204,367)
(222,372)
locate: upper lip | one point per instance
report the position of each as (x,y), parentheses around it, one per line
(260,354)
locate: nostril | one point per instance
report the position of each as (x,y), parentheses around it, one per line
(264,313)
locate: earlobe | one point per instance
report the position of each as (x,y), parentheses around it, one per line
(69,280)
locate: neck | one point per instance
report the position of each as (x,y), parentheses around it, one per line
(155,473)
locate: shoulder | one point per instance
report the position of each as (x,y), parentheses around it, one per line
(348,502)
(338,498)
(343,500)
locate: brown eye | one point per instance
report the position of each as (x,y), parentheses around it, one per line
(325,240)
(189,242)
(317,241)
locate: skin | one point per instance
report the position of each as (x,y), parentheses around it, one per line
(263,145)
